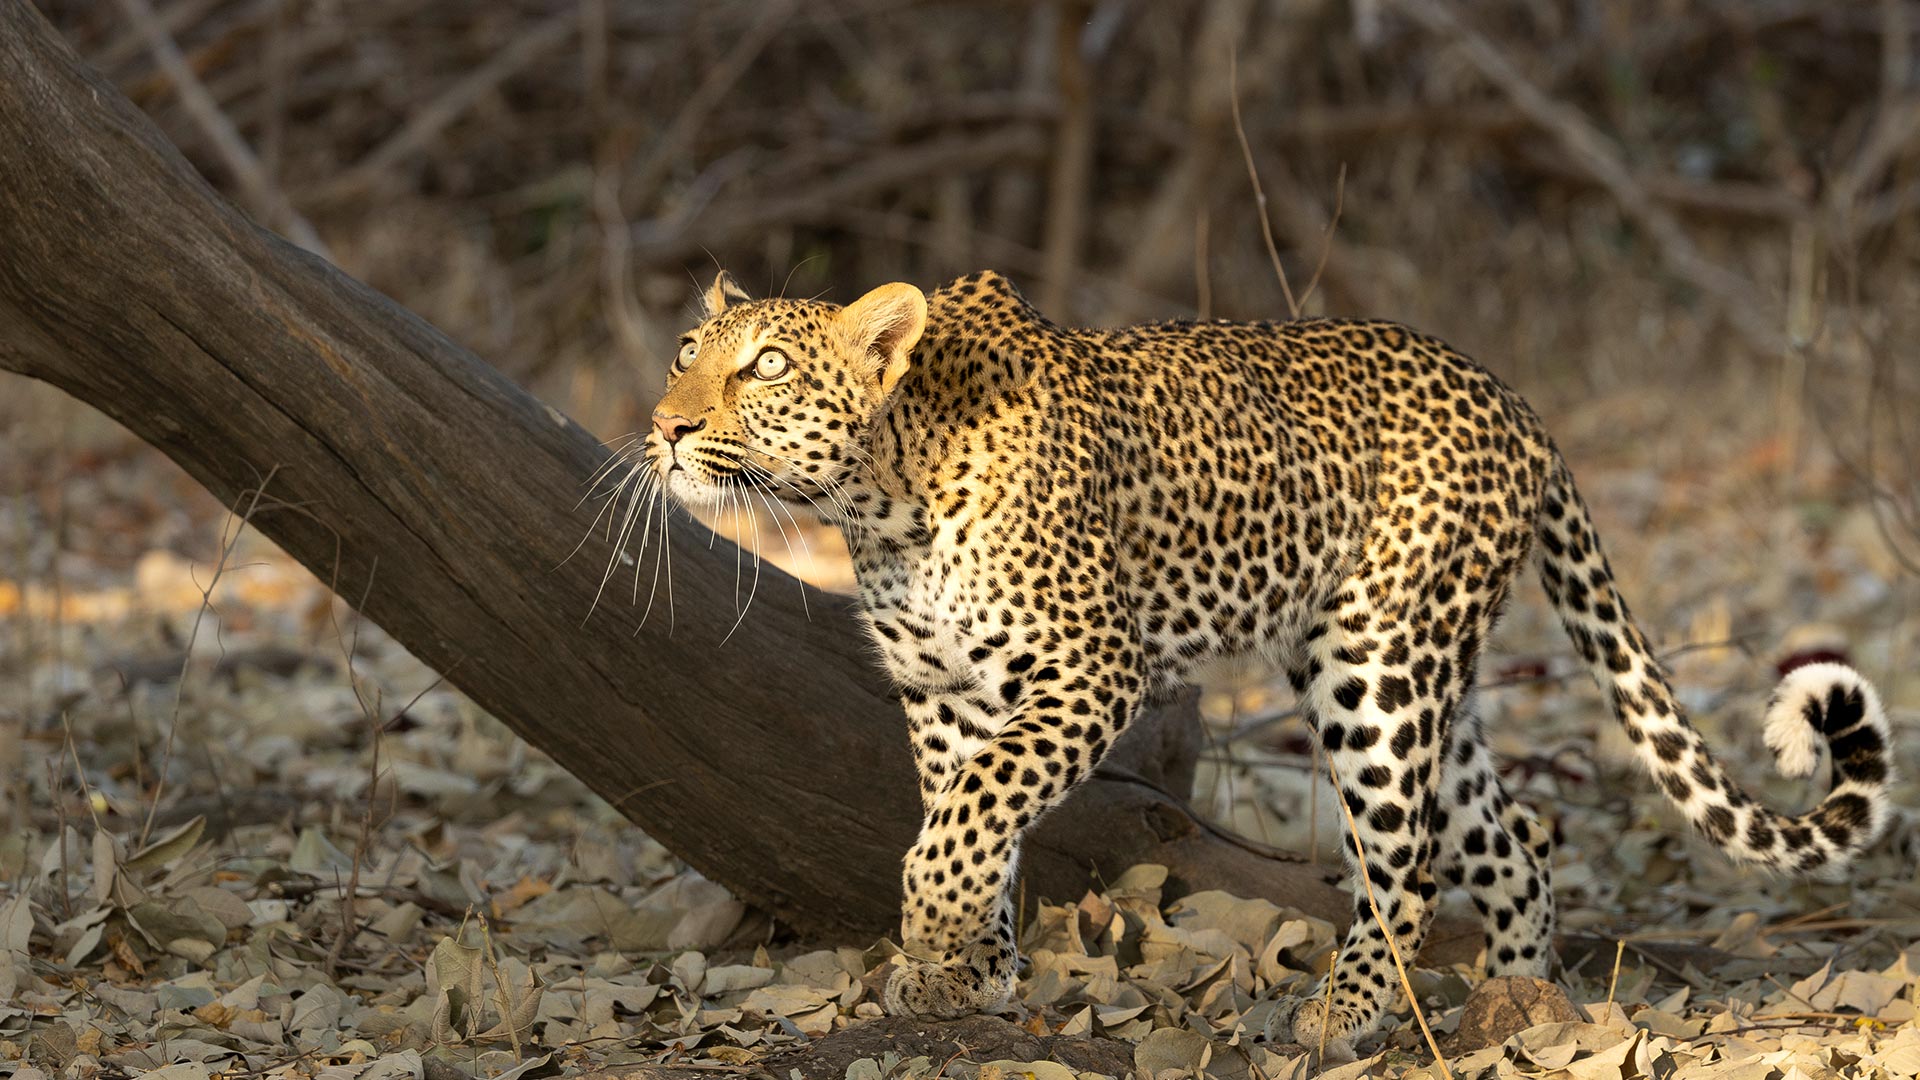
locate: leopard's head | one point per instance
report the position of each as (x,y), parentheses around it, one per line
(779,395)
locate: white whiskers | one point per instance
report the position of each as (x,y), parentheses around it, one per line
(774,509)
(754,525)
(850,522)
(638,515)
(663,555)
(632,501)
(645,485)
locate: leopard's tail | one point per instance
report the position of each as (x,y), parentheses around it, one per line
(1819,703)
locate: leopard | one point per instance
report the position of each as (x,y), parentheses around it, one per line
(1050,527)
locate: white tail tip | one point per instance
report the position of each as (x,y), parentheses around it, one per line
(1794,715)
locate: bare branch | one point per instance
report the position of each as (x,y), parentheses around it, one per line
(436,115)
(1746,307)
(1259,192)
(259,190)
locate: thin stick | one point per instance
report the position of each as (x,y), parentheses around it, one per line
(193,635)
(1326,998)
(1202,274)
(1619,951)
(1326,235)
(60,816)
(1067,180)
(1253,173)
(348,915)
(501,988)
(1020,912)
(276,61)
(1748,308)
(1393,946)
(79,773)
(371,713)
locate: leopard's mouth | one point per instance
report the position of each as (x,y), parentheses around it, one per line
(703,476)
(718,468)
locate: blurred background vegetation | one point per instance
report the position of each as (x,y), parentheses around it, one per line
(1588,194)
(1674,225)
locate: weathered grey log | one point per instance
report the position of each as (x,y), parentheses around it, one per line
(405,470)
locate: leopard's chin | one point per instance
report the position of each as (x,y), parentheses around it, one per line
(691,486)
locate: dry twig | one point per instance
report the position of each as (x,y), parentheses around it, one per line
(252,499)
(669,148)
(1067,194)
(435,116)
(1259,192)
(1442,1069)
(1746,307)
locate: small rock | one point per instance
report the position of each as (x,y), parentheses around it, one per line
(1499,1009)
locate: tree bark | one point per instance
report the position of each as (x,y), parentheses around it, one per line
(405,471)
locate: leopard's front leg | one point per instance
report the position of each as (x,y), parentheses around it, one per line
(1065,710)
(977,978)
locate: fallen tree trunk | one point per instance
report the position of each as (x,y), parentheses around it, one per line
(439,496)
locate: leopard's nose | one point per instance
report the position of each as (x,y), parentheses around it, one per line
(672,426)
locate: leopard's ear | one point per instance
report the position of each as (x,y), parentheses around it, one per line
(721,293)
(884,326)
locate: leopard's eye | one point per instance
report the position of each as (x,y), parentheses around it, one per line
(688,350)
(772,364)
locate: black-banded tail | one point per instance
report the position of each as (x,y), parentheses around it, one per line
(1827,702)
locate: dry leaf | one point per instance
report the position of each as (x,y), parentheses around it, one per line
(168,847)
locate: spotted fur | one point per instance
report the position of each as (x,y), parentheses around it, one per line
(1051,524)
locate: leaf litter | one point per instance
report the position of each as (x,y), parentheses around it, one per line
(440,901)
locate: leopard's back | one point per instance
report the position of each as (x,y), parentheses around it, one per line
(1246,468)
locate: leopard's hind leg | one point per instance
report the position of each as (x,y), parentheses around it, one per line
(1495,848)
(1387,670)
(1381,710)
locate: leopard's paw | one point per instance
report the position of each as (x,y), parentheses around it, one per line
(1307,1021)
(961,987)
